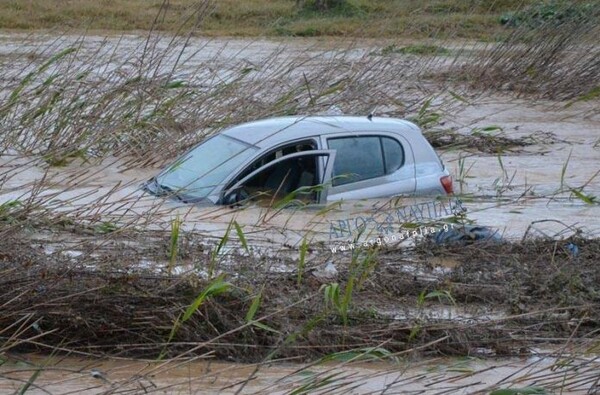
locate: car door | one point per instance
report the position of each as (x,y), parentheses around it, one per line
(365,167)
(319,184)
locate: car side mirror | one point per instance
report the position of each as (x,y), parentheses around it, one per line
(231,199)
(236,197)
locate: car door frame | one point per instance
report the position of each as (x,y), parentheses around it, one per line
(216,197)
(373,183)
(325,169)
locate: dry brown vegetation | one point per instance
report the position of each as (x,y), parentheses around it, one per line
(104,303)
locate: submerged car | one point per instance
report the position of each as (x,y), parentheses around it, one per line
(316,159)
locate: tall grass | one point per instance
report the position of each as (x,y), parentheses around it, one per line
(301,261)
(555,59)
(360,269)
(174,243)
(90,99)
(216,287)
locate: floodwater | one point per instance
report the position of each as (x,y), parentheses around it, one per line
(525,183)
(81,375)
(515,193)
(509,192)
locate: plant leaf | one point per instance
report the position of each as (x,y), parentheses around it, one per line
(253,307)
(241,236)
(265,327)
(520,391)
(217,287)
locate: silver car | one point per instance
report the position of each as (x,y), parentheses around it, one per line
(314,159)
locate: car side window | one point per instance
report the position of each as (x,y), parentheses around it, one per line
(357,158)
(277,182)
(361,158)
(300,146)
(393,154)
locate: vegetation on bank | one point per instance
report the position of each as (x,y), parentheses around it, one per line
(112,306)
(478,19)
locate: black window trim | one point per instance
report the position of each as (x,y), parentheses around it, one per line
(385,173)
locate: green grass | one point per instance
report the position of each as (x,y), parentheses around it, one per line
(415,49)
(365,18)
(174,243)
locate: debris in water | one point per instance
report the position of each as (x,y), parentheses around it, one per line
(97,374)
(573,249)
(329,271)
(467,234)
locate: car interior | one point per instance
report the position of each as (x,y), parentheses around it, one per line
(278,181)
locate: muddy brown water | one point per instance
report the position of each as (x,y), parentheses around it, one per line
(513,192)
(79,375)
(514,189)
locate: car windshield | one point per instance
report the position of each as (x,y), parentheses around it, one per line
(198,172)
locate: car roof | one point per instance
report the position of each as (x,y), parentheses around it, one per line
(272,131)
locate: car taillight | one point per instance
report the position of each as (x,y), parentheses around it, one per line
(447,184)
